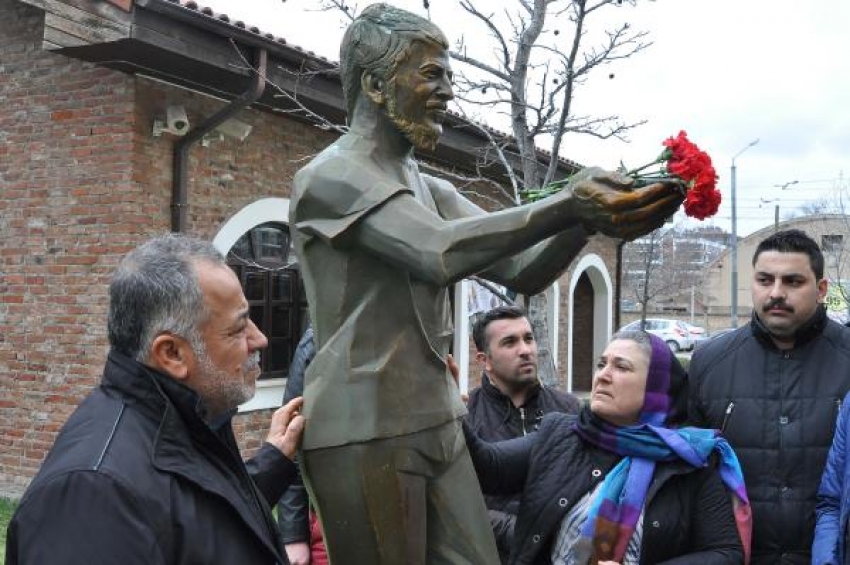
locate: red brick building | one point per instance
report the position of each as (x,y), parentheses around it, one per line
(95,157)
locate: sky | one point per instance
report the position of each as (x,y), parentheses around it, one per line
(728,72)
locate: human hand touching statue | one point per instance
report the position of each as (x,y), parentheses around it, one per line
(286,427)
(609,203)
(298,553)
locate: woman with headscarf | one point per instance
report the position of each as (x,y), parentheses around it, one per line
(620,483)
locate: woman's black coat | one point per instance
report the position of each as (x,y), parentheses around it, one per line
(688,516)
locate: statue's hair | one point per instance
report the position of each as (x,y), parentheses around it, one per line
(377,41)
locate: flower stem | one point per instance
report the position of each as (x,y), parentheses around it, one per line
(639,169)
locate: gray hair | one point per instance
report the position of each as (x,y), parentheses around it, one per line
(377,41)
(156,290)
(640,337)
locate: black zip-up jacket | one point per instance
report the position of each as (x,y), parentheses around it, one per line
(137,477)
(293,508)
(494,417)
(778,411)
(688,516)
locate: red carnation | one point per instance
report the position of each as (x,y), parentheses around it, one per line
(682,160)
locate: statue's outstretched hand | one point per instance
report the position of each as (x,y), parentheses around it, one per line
(608,202)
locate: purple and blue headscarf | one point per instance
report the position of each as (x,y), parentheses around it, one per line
(615,511)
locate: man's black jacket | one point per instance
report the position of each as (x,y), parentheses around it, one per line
(137,477)
(778,410)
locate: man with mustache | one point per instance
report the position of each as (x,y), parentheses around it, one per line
(147,470)
(774,388)
(379,245)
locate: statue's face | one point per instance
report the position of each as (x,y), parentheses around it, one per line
(419,92)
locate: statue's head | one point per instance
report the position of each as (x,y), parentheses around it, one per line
(400,62)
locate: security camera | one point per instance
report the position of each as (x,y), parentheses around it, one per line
(176,122)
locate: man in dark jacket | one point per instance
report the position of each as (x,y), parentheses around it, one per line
(511,401)
(774,389)
(147,470)
(297,521)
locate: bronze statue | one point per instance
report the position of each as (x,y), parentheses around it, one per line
(379,244)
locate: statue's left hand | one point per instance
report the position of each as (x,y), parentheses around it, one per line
(609,203)
(286,427)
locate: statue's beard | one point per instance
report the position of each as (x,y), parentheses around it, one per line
(420,135)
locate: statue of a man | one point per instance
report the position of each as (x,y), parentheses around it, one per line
(379,245)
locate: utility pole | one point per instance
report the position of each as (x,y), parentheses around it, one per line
(734,285)
(693,291)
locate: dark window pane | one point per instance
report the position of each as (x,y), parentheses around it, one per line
(279,355)
(281,321)
(282,285)
(258,316)
(255,285)
(271,244)
(278,305)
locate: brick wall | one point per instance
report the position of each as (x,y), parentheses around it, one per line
(67,131)
(83,181)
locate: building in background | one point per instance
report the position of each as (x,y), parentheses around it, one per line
(831,231)
(665,270)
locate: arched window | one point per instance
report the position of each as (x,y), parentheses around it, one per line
(264,260)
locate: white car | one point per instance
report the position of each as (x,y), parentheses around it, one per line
(698,333)
(673,332)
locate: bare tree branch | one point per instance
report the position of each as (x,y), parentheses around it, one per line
(494,31)
(299,108)
(492,288)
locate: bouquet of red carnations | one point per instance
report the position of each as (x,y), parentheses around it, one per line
(681,162)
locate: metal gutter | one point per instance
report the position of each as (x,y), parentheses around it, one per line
(180,163)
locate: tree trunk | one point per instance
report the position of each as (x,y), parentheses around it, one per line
(538,314)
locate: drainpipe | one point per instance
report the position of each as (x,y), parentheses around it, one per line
(618,285)
(180,162)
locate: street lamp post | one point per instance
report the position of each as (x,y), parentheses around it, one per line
(734,316)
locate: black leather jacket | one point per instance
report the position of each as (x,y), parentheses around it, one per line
(778,411)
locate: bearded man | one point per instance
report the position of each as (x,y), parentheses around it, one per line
(146,470)
(379,245)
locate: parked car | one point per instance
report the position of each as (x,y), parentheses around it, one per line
(674,332)
(698,333)
(714,334)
